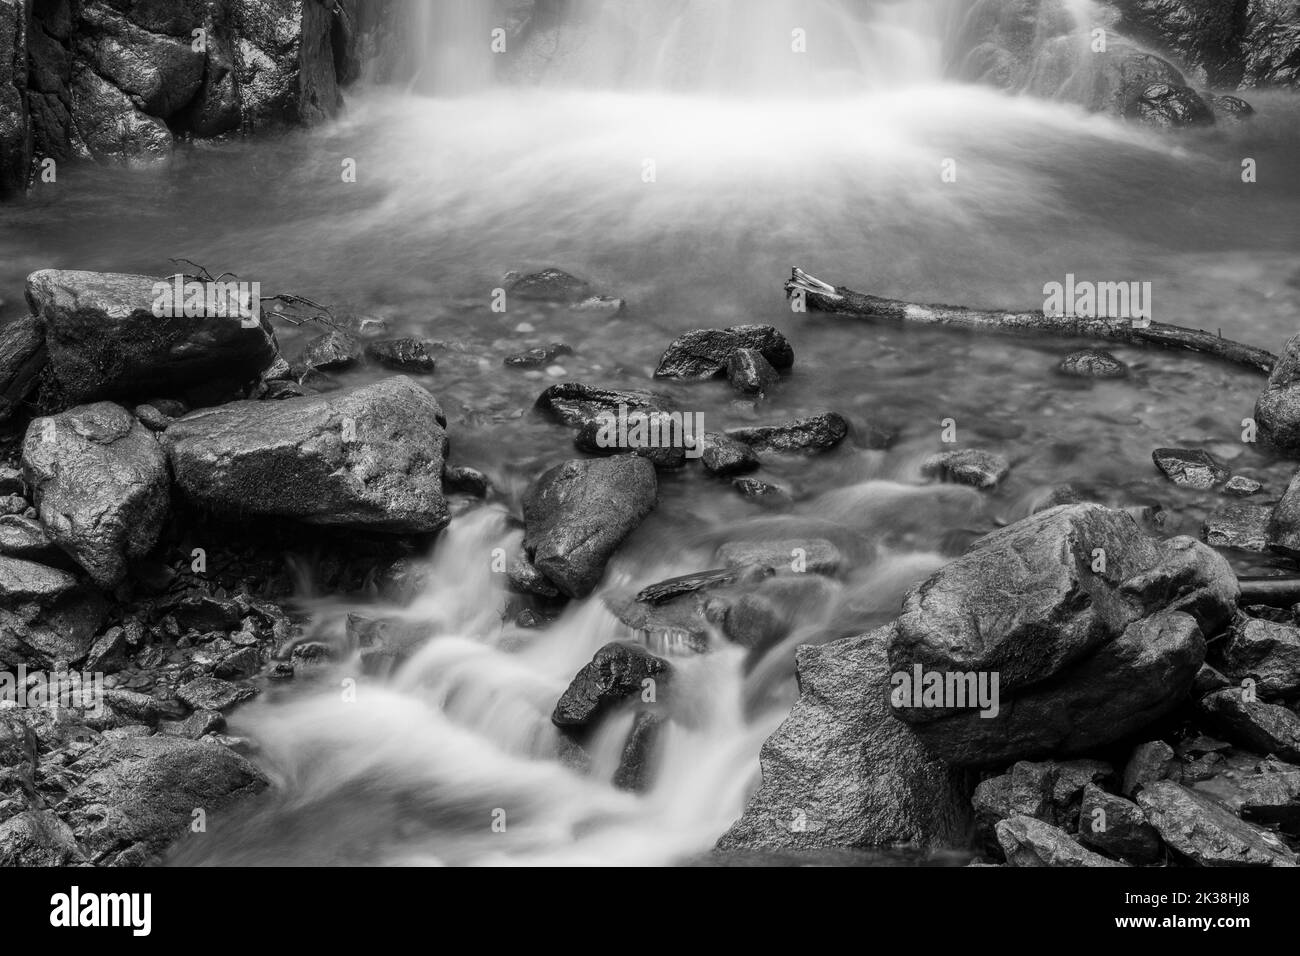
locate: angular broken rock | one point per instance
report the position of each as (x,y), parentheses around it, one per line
(1030,842)
(100,484)
(726,457)
(840,771)
(38,838)
(1190,468)
(1116,827)
(213,693)
(616,673)
(105,341)
(22,356)
(1149,762)
(578,513)
(369,457)
(45,615)
(704,353)
(812,435)
(1277,410)
(1284,525)
(750,373)
(573,403)
(1253,724)
(1266,652)
(969,466)
(1240,526)
(1206,832)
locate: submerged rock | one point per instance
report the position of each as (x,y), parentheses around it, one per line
(560,288)
(101,486)
(762,491)
(578,513)
(969,466)
(1206,832)
(105,341)
(1092,363)
(705,353)
(402,355)
(369,457)
(796,555)
(616,674)
(1190,468)
(840,771)
(812,435)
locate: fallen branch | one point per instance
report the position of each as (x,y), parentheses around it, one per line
(827,298)
(1274,591)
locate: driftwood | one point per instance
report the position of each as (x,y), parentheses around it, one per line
(824,297)
(1273,592)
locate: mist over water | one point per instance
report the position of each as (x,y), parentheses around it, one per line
(763,159)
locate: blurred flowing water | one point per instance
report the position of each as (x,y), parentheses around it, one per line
(763,159)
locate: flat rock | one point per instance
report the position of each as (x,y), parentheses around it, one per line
(1240,526)
(101,486)
(1030,842)
(1190,468)
(369,457)
(969,466)
(578,513)
(1206,832)
(614,675)
(794,555)
(704,353)
(1241,486)
(813,435)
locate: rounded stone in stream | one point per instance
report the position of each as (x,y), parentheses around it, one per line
(704,353)
(573,403)
(1190,467)
(466,480)
(402,355)
(726,456)
(616,673)
(1168,106)
(749,372)
(969,466)
(761,491)
(1092,363)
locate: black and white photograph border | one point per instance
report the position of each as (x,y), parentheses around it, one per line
(530,433)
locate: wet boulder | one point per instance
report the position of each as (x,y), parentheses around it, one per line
(1030,842)
(369,457)
(138,795)
(813,435)
(402,355)
(22,356)
(573,403)
(726,457)
(1116,827)
(1207,833)
(750,373)
(1266,652)
(617,673)
(1170,106)
(560,288)
(705,353)
(578,513)
(1284,523)
(636,765)
(665,439)
(106,339)
(101,486)
(840,771)
(22,537)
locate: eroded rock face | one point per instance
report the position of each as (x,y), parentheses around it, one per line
(15,131)
(45,615)
(101,486)
(841,771)
(369,457)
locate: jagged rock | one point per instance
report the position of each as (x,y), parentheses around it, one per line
(560,288)
(841,771)
(1030,842)
(1284,525)
(368,457)
(213,693)
(750,373)
(1267,652)
(1253,724)
(726,457)
(704,353)
(578,513)
(614,675)
(138,795)
(402,355)
(636,765)
(110,126)
(968,466)
(1116,827)
(1206,832)
(108,654)
(45,615)
(1092,363)
(803,436)
(100,485)
(25,538)
(38,838)
(572,403)
(1148,763)
(1240,526)
(1170,106)
(332,351)
(1190,468)
(1049,790)
(22,356)
(104,340)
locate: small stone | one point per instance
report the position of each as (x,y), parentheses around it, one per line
(1190,468)
(726,456)
(756,490)
(1241,486)
(403,355)
(538,358)
(469,481)
(969,466)
(213,693)
(1092,363)
(332,351)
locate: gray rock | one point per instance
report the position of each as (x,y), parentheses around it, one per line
(662,438)
(539,357)
(1240,526)
(750,373)
(104,340)
(1168,106)
(11,481)
(726,457)
(1206,832)
(1267,652)
(22,356)
(526,579)
(138,795)
(1277,410)
(573,403)
(402,355)
(969,466)
(1271,796)
(840,771)
(112,129)
(1241,486)
(578,513)
(1092,363)
(369,457)
(38,838)
(195,726)
(466,480)
(1190,468)
(1253,724)
(1116,827)
(615,674)
(704,353)
(793,555)
(1030,842)
(1148,763)
(45,615)
(762,491)
(560,288)
(812,435)
(108,654)
(1284,525)
(15,126)
(25,538)
(160,73)
(213,693)
(332,351)
(760,619)
(636,769)
(101,486)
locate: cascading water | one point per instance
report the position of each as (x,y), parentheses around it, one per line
(763,157)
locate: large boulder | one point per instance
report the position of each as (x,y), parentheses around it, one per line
(101,486)
(368,457)
(578,513)
(137,795)
(1277,410)
(1089,627)
(106,339)
(22,356)
(840,771)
